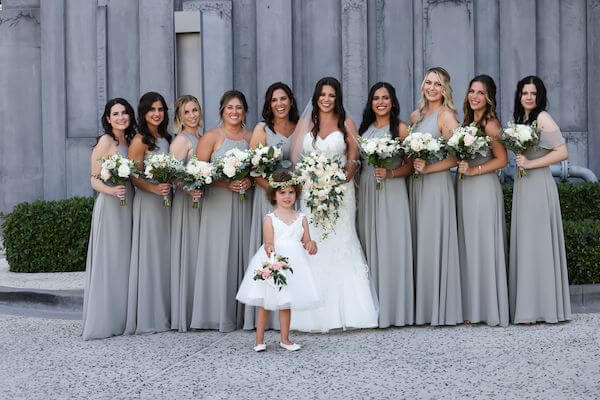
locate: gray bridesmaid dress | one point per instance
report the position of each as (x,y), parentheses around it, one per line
(482,247)
(260,208)
(222,254)
(385,235)
(538,280)
(149,308)
(107,266)
(435,244)
(185,229)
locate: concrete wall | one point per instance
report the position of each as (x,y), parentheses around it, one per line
(61,59)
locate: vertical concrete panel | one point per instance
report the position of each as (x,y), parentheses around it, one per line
(244,55)
(189,64)
(21,173)
(394,52)
(517,49)
(355,73)
(549,52)
(123,50)
(81,68)
(101,63)
(300,85)
(374,34)
(53,100)
(217,54)
(157,49)
(79,152)
(450,48)
(487,39)
(273,46)
(14,4)
(593,84)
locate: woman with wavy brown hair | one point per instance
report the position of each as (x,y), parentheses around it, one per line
(480,214)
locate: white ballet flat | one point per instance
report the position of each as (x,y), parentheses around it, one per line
(260,347)
(290,347)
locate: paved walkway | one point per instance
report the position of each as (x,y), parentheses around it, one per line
(44,358)
(46,281)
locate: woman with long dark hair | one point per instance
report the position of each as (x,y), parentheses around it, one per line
(383,215)
(225,227)
(149,303)
(480,214)
(109,249)
(433,210)
(185,219)
(538,280)
(280,115)
(349,299)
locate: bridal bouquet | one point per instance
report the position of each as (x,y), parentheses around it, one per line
(162,168)
(323,179)
(467,142)
(235,165)
(520,137)
(196,175)
(115,170)
(424,146)
(272,271)
(265,160)
(380,152)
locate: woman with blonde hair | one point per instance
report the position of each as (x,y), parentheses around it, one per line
(433,210)
(185,220)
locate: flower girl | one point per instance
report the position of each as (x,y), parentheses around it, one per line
(279,276)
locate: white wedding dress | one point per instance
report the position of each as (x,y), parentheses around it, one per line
(339,267)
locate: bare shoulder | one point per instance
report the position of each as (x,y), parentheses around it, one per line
(180,140)
(105,142)
(414,116)
(137,140)
(349,124)
(493,128)
(402,130)
(446,113)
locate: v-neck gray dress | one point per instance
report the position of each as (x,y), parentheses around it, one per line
(222,254)
(107,265)
(538,279)
(260,208)
(185,229)
(385,235)
(435,242)
(149,300)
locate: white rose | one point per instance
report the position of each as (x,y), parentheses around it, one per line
(469,139)
(109,164)
(415,145)
(433,145)
(229,171)
(208,180)
(105,174)
(124,171)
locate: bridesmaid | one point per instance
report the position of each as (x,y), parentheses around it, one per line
(148,308)
(225,228)
(185,220)
(538,281)
(480,214)
(433,210)
(280,115)
(107,266)
(383,215)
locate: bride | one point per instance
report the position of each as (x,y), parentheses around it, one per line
(349,299)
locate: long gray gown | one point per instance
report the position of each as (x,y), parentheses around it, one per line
(482,247)
(538,280)
(222,254)
(149,301)
(185,229)
(385,235)
(435,243)
(107,265)
(260,208)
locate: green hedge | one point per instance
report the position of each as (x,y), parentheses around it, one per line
(48,236)
(582,241)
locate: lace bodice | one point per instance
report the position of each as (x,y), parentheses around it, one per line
(287,233)
(333,144)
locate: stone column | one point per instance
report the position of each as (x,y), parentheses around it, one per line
(487,40)
(244,55)
(593,84)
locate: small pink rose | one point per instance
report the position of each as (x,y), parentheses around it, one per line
(265,273)
(278,265)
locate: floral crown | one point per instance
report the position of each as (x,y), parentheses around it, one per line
(277,185)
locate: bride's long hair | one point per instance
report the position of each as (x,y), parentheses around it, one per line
(338,108)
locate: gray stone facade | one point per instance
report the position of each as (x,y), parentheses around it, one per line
(60,60)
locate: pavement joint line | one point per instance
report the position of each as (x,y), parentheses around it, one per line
(153,377)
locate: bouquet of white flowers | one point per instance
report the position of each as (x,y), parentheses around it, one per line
(519,137)
(115,170)
(235,165)
(467,142)
(265,160)
(196,175)
(380,152)
(162,168)
(424,146)
(272,271)
(323,180)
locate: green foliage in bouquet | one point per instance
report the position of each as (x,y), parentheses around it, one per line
(48,236)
